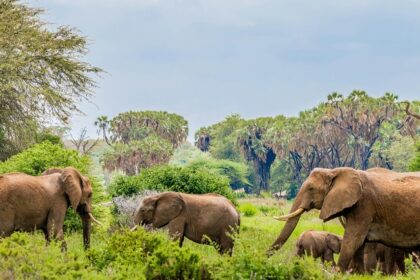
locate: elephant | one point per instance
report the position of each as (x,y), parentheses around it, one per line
(378,205)
(386,259)
(30,202)
(318,244)
(200,218)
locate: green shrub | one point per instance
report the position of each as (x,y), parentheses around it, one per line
(415,163)
(172,178)
(248,209)
(25,256)
(40,157)
(235,171)
(143,255)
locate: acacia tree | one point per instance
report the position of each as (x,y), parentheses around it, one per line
(141,139)
(42,75)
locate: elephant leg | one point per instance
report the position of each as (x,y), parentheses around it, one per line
(399,259)
(353,242)
(176,229)
(226,245)
(6,224)
(55,228)
(328,256)
(370,259)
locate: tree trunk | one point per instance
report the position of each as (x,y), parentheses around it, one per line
(262,169)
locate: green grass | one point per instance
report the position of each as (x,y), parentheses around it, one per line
(125,255)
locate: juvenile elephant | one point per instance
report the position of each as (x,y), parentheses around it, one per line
(318,244)
(386,259)
(196,217)
(40,202)
(379,206)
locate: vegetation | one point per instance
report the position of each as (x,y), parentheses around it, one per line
(415,164)
(151,255)
(357,131)
(42,74)
(171,178)
(141,139)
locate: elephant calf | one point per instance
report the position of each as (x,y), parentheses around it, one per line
(318,244)
(197,217)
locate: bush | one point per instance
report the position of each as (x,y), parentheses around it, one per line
(25,256)
(415,163)
(248,209)
(172,178)
(143,255)
(235,171)
(40,157)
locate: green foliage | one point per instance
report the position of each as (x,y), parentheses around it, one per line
(24,256)
(172,178)
(141,139)
(143,255)
(248,209)
(42,74)
(40,157)
(238,173)
(151,255)
(415,163)
(222,138)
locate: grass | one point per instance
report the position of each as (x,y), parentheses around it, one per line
(25,256)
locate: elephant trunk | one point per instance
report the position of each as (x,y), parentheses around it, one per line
(288,228)
(86,230)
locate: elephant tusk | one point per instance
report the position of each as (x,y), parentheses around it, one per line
(95,220)
(133,228)
(291,215)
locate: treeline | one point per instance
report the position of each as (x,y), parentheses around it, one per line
(357,131)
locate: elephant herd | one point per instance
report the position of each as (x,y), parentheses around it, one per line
(381,210)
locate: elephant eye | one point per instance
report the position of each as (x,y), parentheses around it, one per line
(90,195)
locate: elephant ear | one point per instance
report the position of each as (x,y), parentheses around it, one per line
(73,184)
(168,206)
(345,191)
(334,243)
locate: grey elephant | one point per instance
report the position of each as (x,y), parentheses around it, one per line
(40,202)
(318,244)
(200,218)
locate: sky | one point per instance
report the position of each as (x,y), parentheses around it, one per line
(206,59)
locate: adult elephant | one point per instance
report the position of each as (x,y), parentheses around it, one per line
(379,206)
(29,202)
(197,217)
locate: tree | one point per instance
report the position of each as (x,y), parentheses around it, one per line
(42,74)
(141,139)
(255,148)
(82,143)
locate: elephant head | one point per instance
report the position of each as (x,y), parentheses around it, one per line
(159,210)
(330,190)
(78,189)
(334,242)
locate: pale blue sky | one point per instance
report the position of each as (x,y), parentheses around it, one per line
(205,59)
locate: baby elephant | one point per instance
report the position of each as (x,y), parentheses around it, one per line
(318,244)
(197,217)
